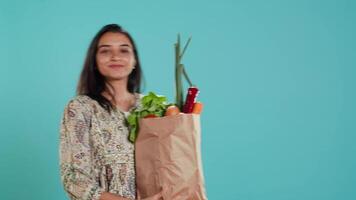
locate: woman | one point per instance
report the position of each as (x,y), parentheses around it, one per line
(96,158)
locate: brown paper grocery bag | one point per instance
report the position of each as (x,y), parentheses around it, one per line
(168,158)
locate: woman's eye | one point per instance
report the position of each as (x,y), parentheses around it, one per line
(104,51)
(124,51)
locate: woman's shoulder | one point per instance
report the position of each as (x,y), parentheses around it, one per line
(140,95)
(86,103)
(80,102)
(79,99)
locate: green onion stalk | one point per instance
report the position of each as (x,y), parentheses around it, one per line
(179,71)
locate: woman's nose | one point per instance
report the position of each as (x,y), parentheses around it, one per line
(116,56)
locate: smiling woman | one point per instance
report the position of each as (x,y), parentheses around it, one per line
(112,72)
(96,157)
(115,57)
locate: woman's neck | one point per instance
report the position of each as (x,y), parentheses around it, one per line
(120,92)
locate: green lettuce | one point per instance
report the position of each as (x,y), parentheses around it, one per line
(151,104)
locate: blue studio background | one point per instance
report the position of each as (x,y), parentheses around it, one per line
(277,79)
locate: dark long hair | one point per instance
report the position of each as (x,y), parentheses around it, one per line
(92,83)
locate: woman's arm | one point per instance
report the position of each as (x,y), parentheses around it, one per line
(75,160)
(76,164)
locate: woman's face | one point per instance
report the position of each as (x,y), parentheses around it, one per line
(115,56)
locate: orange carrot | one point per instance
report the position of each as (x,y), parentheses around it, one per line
(198,107)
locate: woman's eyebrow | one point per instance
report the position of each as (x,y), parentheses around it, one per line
(107,45)
(125,45)
(103,45)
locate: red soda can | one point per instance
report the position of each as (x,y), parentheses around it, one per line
(190,99)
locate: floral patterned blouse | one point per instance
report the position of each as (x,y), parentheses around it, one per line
(95,153)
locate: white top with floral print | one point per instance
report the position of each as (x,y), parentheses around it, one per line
(95,153)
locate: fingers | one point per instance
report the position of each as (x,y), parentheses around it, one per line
(157,196)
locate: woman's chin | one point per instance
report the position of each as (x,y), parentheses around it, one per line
(117,78)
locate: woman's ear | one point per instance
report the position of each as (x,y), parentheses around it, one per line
(134,64)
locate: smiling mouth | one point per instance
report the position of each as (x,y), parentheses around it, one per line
(116,66)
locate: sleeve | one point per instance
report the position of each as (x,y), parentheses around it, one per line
(76,163)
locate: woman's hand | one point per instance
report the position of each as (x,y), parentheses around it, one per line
(157,196)
(111,196)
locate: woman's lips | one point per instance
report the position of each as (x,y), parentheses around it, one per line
(116,66)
